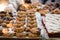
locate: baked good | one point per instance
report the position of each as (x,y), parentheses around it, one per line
(32,21)
(19,30)
(20,19)
(15,24)
(4,30)
(10,25)
(32,35)
(29,25)
(56,11)
(6,33)
(31,18)
(34,30)
(21,8)
(5,21)
(27,29)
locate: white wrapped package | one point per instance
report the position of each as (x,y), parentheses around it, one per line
(52,23)
(39,24)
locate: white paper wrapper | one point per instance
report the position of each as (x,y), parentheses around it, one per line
(38,19)
(43,31)
(52,22)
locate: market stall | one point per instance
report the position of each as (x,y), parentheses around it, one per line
(26,21)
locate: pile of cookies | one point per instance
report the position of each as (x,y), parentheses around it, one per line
(30,29)
(19,24)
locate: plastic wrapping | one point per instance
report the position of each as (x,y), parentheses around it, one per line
(43,31)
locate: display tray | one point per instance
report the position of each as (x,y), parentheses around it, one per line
(22,37)
(16,38)
(8,36)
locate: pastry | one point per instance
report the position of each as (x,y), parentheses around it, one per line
(20,19)
(20,25)
(4,30)
(31,18)
(15,25)
(5,21)
(29,25)
(21,8)
(9,25)
(34,30)
(32,21)
(19,22)
(56,11)
(18,30)
(34,25)
(27,29)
